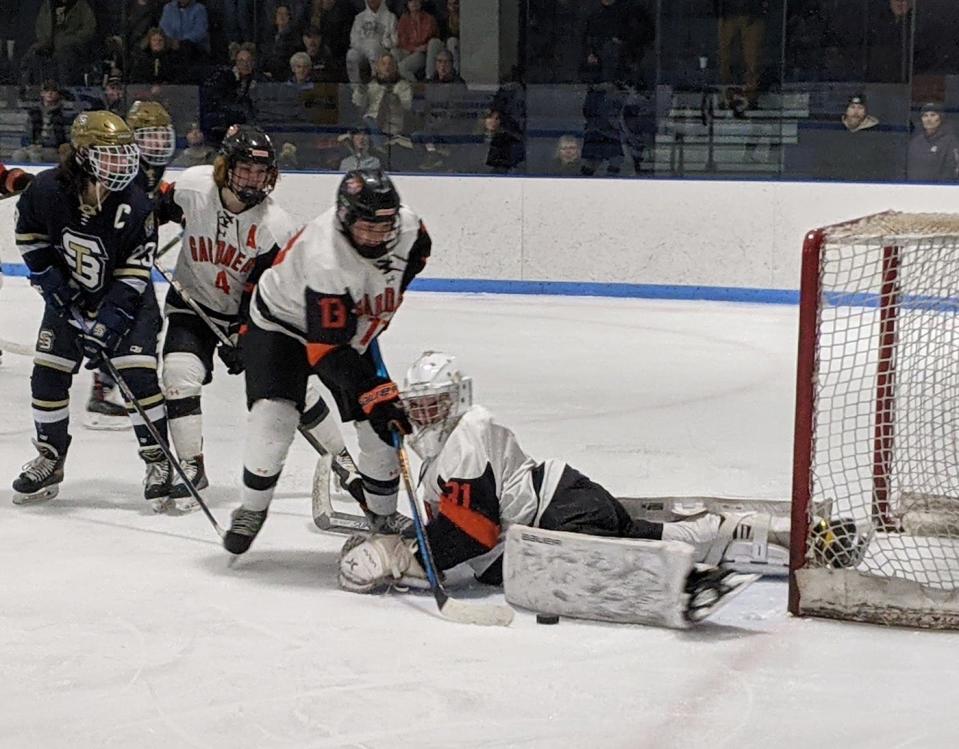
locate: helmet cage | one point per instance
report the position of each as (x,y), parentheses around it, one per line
(350,217)
(156,143)
(115,167)
(248,195)
(436,395)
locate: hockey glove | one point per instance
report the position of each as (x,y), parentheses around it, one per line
(104,335)
(57,291)
(382,406)
(232,356)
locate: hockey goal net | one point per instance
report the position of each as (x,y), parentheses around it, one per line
(875,515)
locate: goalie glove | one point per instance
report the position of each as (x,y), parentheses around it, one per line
(372,563)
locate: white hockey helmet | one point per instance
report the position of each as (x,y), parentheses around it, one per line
(435,394)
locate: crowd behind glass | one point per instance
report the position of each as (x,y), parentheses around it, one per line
(792,89)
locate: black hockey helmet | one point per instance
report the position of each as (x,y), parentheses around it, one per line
(369,197)
(246,144)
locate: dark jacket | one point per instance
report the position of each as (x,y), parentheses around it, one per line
(56,131)
(155,67)
(934,158)
(864,154)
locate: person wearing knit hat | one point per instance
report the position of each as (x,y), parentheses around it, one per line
(933,151)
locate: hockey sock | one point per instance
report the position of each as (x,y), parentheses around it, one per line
(183,375)
(318,420)
(146,389)
(380,469)
(269,434)
(50,390)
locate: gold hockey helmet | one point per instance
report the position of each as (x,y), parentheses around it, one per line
(105,148)
(153,130)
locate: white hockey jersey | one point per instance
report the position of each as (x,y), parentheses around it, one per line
(221,249)
(321,291)
(480,484)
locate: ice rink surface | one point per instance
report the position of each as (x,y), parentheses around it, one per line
(119,628)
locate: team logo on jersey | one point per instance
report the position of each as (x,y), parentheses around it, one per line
(45,340)
(86,259)
(149,224)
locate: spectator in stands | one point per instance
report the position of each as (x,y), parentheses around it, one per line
(326,67)
(299,16)
(114,97)
(334,19)
(567,161)
(617,36)
(143,16)
(186,25)
(65,31)
(301,69)
(742,21)
(888,40)
(358,140)
(227,97)
(933,151)
(49,128)
(504,143)
(385,103)
(373,34)
(857,151)
(288,158)
(415,31)
(449,37)
(446,116)
(197,151)
(157,64)
(284,41)
(603,134)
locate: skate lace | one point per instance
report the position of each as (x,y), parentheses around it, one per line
(247,522)
(191,468)
(40,468)
(157,473)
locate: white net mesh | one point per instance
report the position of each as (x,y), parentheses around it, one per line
(884,442)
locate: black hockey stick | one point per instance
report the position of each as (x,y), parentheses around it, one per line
(324,516)
(487,614)
(168,246)
(151,427)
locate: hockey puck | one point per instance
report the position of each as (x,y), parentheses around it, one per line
(547,619)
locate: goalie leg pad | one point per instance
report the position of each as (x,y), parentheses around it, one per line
(372,563)
(754,542)
(621,580)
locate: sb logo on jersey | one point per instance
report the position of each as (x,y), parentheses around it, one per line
(86,258)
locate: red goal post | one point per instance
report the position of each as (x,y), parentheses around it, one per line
(875,514)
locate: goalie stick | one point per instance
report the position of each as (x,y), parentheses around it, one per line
(484,614)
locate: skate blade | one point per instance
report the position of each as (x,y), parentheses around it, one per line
(186,505)
(100,422)
(161,505)
(34,499)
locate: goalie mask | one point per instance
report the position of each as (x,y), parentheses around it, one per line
(435,396)
(105,149)
(153,132)
(246,164)
(368,208)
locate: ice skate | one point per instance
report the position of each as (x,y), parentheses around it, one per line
(41,477)
(393,524)
(105,409)
(347,476)
(712,588)
(244,525)
(156,481)
(180,494)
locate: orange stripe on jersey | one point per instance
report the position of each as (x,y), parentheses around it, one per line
(476,526)
(316,351)
(165,187)
(281,256)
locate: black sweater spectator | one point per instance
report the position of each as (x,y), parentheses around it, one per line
(157,63)
(616,39)
(934,150)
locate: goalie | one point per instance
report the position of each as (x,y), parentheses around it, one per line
(478,482)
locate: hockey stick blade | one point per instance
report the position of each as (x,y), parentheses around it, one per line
(482,614)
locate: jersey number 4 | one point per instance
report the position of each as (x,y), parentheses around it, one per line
(222,282)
